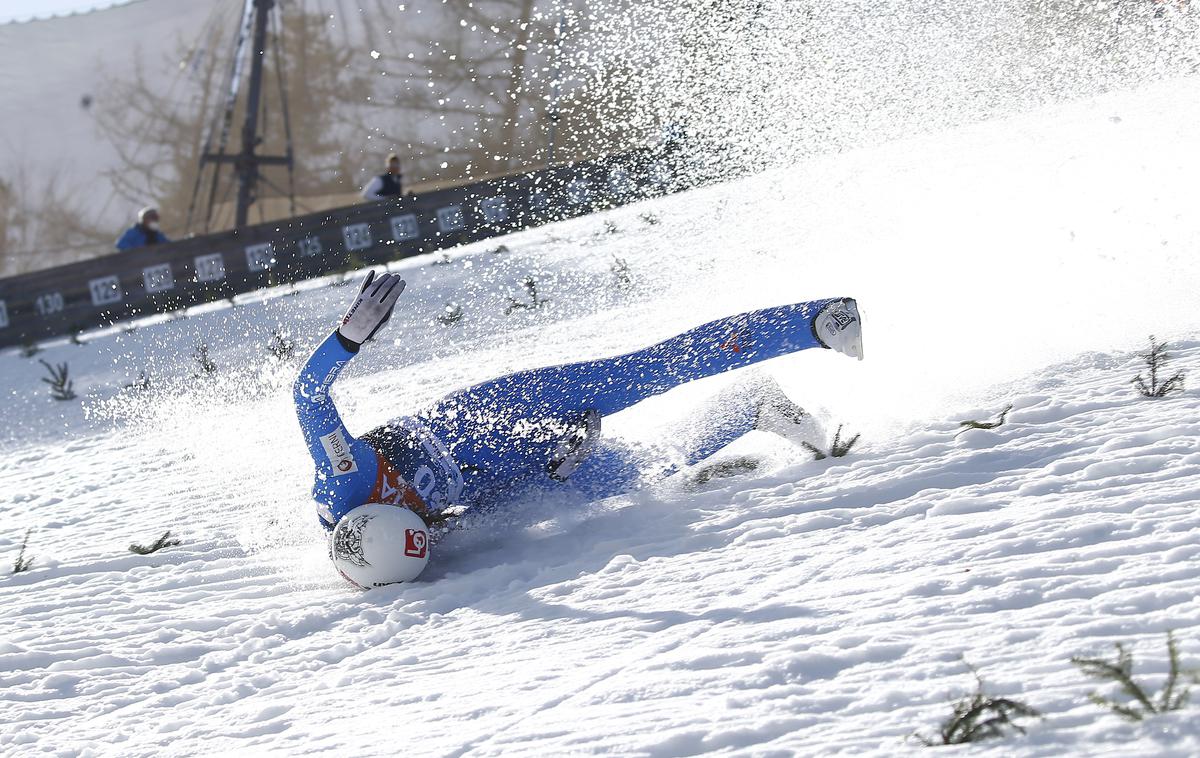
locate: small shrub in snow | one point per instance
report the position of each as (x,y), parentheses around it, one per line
(30,349)
(205,363)
(451,314)
(60,383)
(972,424)
(1141,703)
(620,270)
(445,260)
(1156,361)
(724,469)
(535,302)
(164,541)
(979,717)
(649,218)
(281,345)
(839,449)
(141,384)
(22,563)
(499,249)
(610,227)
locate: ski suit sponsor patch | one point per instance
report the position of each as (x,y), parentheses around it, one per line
(391,488)
(337,449)
(321,392)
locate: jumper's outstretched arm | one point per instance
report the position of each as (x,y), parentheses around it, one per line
(344,468)
(315,410)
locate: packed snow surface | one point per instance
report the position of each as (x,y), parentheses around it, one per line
(809,607)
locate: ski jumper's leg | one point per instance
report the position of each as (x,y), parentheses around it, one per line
(609,470)
(728,418)
(614,470)
(755,401)
(505,429)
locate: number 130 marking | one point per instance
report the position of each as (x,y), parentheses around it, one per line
(49,303)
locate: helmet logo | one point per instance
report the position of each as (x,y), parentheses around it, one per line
(347,540)
(344,465)
(414,543)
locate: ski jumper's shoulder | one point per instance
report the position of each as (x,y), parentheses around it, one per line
(401,463)
(414,461)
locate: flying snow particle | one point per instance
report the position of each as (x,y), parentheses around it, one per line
(375,54)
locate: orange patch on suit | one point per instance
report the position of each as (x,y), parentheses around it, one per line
(393,489)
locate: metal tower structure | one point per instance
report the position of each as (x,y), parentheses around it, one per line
(256,17)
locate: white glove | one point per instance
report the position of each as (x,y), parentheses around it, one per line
(372,308)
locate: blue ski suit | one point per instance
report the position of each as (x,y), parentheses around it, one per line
(497,439)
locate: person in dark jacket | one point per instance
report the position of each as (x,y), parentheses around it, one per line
(385,185)
(144,232)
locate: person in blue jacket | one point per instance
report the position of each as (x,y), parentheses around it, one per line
(541,428)
(144,232)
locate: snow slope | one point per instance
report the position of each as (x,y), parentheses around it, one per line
(809,607)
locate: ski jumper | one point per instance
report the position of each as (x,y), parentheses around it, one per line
(498,438)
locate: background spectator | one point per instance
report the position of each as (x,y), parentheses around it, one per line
(144,232)
(385,185)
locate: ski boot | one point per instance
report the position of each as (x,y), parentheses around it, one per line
(839,327)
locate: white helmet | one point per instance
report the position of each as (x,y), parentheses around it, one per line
(376,544)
